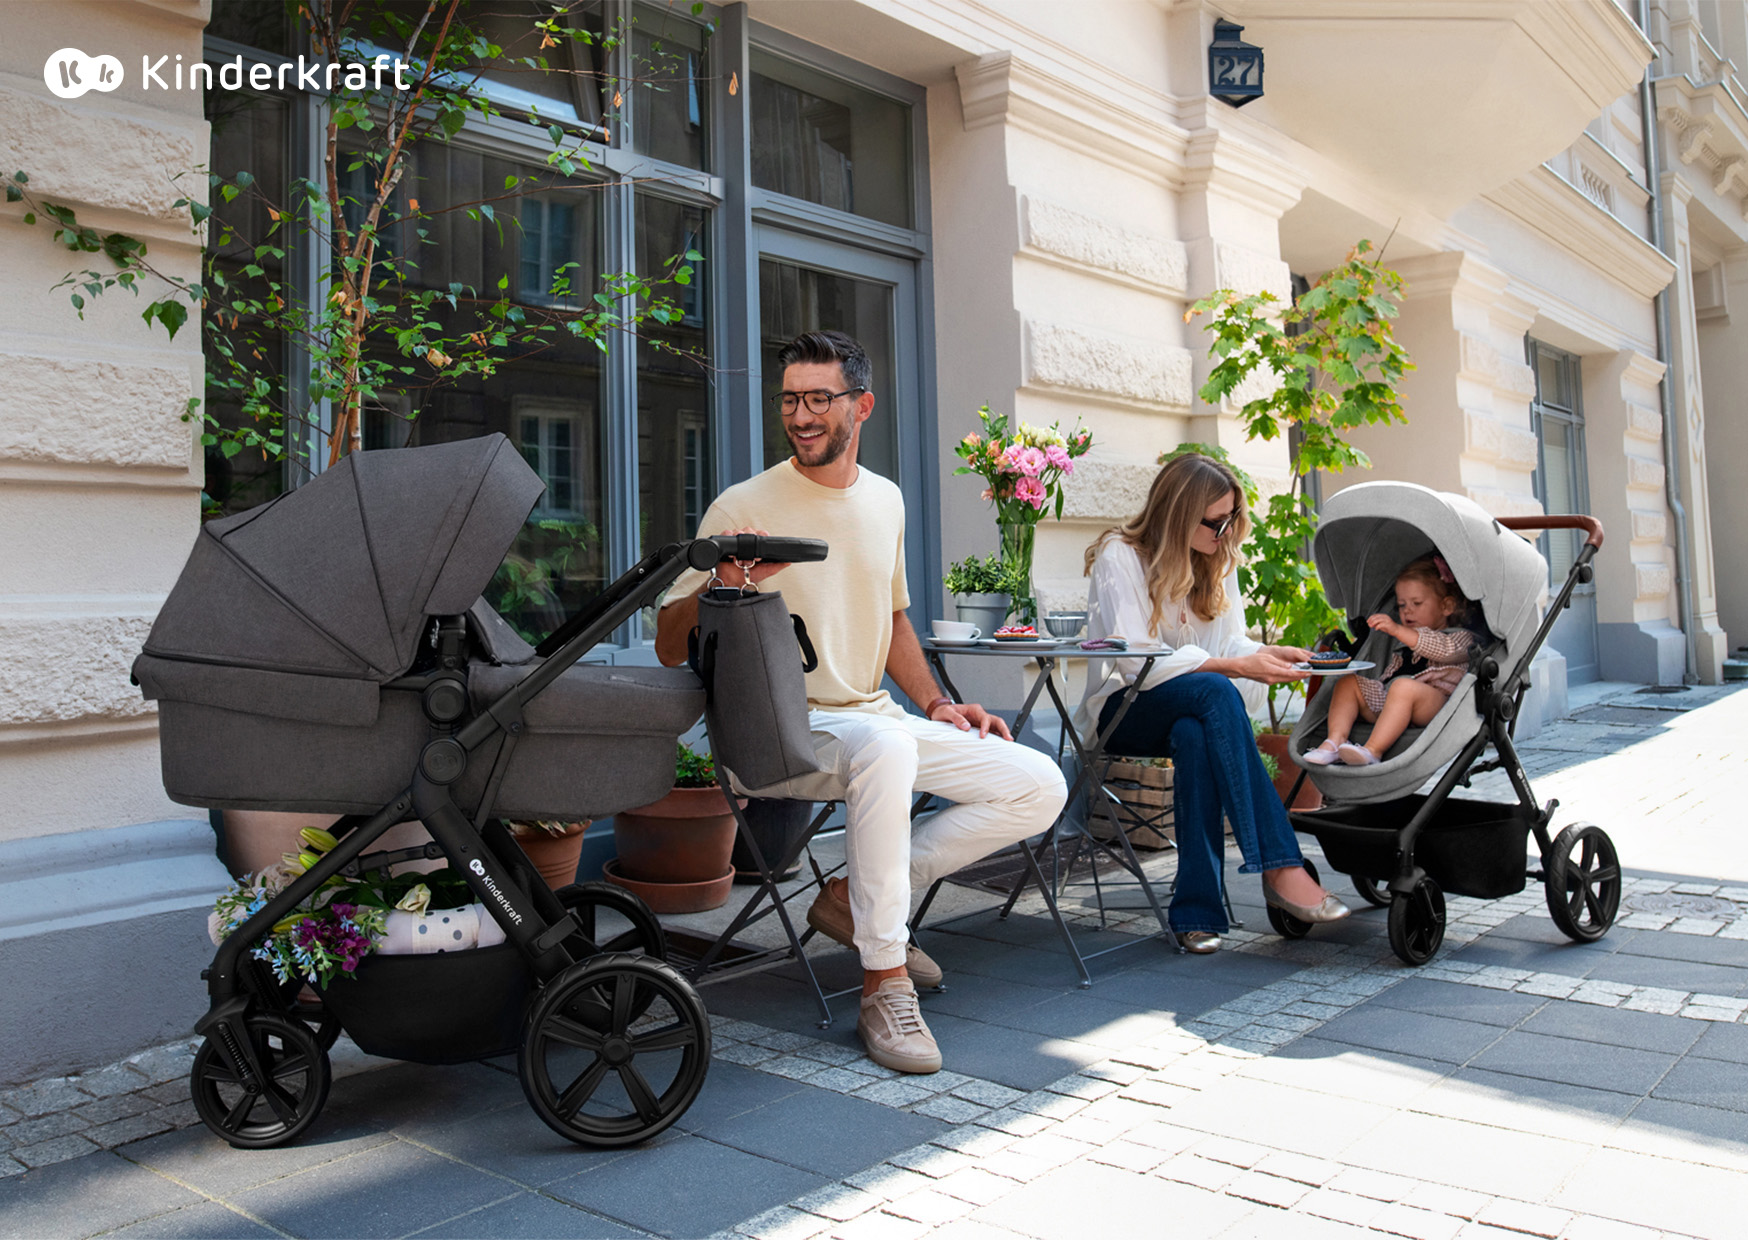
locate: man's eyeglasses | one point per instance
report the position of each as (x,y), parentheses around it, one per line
(786,403)
(1222,525)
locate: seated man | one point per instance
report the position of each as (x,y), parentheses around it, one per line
(854,605)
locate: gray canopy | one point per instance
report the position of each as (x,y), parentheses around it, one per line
(1367,533)
(335,579)
(1366,536)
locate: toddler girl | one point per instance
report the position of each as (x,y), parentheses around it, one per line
(1416,681)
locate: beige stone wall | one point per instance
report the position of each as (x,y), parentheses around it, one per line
(99,476)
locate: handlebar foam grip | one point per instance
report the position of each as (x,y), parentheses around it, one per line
(705,554)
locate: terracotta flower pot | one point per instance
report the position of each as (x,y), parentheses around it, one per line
(555,856)
(686,837)
(1277,744)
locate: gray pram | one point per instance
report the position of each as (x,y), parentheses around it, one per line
(1405,849)
(331,652)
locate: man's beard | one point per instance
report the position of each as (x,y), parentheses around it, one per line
(837,441)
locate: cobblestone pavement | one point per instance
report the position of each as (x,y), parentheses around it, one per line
(1516,1085)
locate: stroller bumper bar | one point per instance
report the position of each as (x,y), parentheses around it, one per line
(1590,525)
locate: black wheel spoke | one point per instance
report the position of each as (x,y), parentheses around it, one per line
(629,940)
(240,1112)
(1605,874)
(283,1104)
(291,1066)
(582,1089)
(624,995)
(564,1029)
(221,1074)
(668,1038)
(642,1096)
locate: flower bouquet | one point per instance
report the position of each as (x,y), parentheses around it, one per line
(1023,468)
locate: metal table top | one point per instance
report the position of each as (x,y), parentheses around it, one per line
(1069,650)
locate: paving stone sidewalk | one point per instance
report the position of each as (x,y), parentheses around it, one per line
(1518,1084)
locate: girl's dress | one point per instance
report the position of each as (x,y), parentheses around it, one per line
(1439,660)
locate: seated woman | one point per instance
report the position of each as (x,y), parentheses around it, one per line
(1169,577)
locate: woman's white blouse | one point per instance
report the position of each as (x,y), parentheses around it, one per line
(1118,605)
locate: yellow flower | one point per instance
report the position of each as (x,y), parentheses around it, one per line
(417,900)
(318,839)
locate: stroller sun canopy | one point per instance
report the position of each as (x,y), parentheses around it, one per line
(1368,532)
(336,578)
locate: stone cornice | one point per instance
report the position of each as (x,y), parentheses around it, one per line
(1545,202)
(1005,88)
(1708,134)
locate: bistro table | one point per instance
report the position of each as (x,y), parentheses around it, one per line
(1090,751)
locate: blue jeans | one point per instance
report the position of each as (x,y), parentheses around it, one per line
(1199,722)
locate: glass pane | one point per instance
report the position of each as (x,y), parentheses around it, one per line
(543,391)
(1553,379)
(251,23)
(670,91)
(826,141)
(1558,490)
(674,470)
(794,299)
(249,133)
(562,80)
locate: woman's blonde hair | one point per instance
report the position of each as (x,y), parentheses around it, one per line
(1182,492)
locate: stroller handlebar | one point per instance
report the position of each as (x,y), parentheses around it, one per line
(1589,525)
(705,554)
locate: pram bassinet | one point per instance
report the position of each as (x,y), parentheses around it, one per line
(330,651)
(1405,849)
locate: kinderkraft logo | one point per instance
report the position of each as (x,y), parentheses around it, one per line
(478,867)
(69,73)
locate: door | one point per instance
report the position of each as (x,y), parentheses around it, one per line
(806,284)
(1563,486)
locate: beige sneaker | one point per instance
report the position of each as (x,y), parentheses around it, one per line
(831,917)
(891,1027)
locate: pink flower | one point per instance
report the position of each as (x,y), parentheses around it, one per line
(1030,491)
(1029,461)
(988,494)
(1058,456)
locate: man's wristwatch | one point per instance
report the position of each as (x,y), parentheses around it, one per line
(929,710)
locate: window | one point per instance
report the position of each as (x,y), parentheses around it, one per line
(632,436)
(1562,483)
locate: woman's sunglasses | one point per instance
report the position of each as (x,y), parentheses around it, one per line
(1222,525)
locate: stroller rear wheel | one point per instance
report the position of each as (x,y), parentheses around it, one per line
(614,920)
(1583,879)
(1286,925)
(615,1050)
(1417,923)
(264,1090)
(1374,891)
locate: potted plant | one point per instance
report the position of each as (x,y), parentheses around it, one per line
(553,846)
(982,591)
(676,852)
(1024,468)
(1333,365)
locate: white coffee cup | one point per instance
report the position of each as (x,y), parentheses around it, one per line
(955,630)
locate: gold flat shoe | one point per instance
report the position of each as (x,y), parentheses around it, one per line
(1200,942)
(1327,909)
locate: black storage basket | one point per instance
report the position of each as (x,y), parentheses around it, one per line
(1471,848)
(448,1007)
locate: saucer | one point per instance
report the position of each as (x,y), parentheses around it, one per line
(954,641)
(1358,665)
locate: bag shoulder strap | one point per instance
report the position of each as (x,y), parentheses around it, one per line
(809,660)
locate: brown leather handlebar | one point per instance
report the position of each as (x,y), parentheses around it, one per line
(1589,524)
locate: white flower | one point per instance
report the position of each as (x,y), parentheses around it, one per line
(418,900)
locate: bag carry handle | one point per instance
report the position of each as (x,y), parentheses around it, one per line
(702,658)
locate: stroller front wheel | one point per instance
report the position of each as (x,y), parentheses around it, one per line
(1583,879)
(1417,923)
(264,1089)
(616,1048)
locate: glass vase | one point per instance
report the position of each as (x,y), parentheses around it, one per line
(1017,539)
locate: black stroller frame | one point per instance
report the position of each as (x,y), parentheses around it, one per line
(1472,847)
(264,1048)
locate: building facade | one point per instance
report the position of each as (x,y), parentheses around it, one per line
(1010,204)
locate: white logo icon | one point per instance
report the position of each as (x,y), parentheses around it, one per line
(478,867)
(69,73)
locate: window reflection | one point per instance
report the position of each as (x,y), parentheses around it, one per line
(669,95)
(825,141)
(674,463)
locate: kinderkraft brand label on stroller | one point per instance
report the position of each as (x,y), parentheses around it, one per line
(330,652)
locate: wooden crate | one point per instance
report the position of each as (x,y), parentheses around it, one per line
(1146,790)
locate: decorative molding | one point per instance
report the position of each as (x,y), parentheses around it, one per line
(1546,202)
(1710,130)
(79,411)
(1481,361)
(1499,503)
(1644,473)
(1644,423)
(1129,371)
(1251,271)
(1152,260)
(1652,581)
(65,668)
(115,874)
(133,174)
(1106,490)
(1649,526)
(1486,438)
(1004,88)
